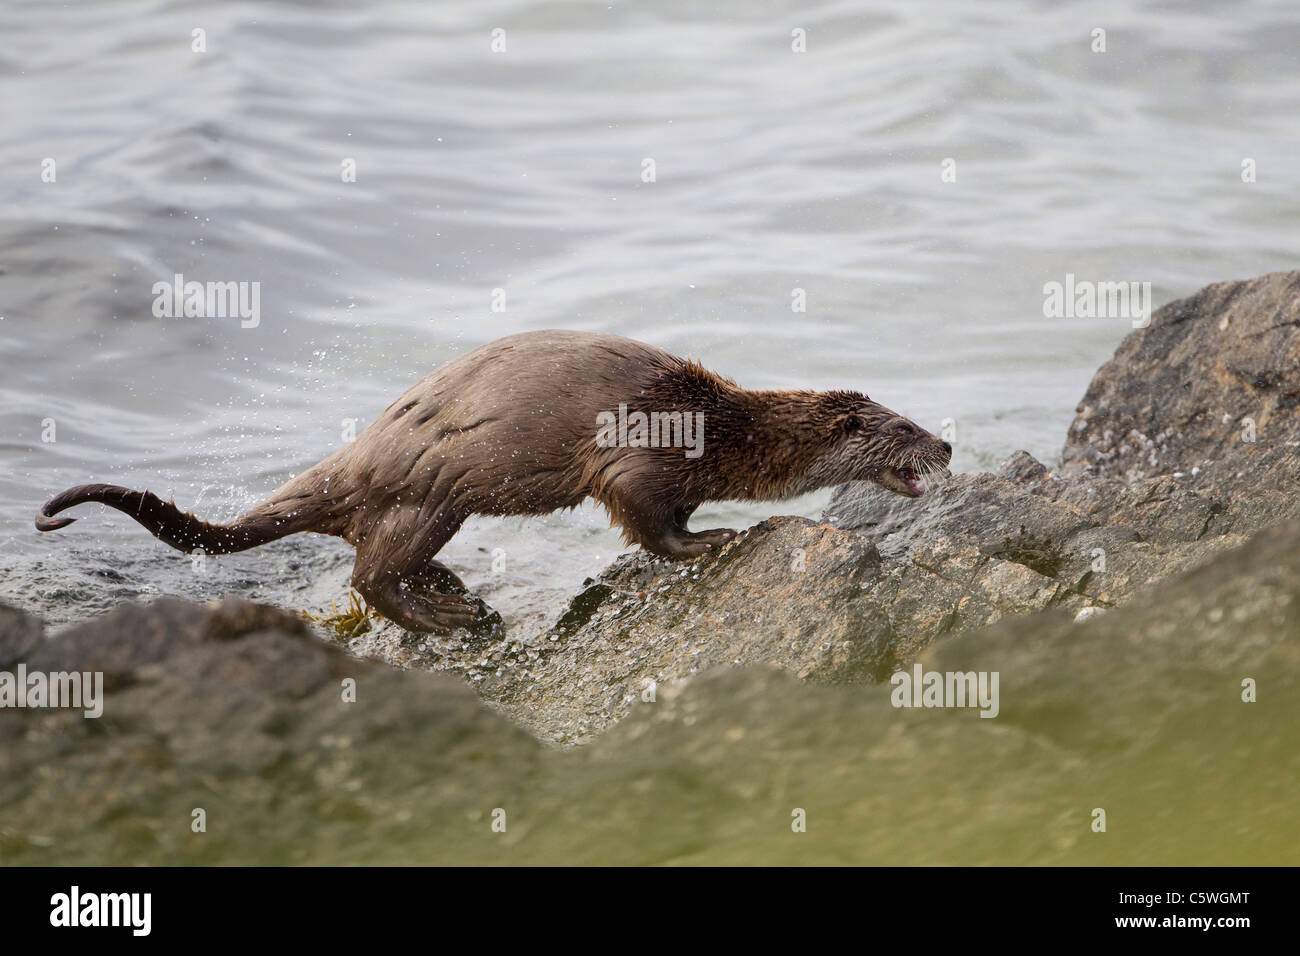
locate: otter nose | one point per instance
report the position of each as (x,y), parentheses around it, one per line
(947,448)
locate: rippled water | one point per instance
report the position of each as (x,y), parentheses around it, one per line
(522,171)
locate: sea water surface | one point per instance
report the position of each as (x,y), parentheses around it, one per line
(518,177)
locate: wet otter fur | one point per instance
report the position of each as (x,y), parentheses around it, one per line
(511,428)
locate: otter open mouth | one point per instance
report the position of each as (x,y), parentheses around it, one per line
(902,481)
(910,480)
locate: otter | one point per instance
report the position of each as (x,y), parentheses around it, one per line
(521,426)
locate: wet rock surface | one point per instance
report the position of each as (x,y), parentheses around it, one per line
(1123,598)
(1138,713)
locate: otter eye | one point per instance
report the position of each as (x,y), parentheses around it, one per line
(905,430)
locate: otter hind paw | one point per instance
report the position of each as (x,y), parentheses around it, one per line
(437,612)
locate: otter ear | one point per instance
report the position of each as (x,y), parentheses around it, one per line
(853,424)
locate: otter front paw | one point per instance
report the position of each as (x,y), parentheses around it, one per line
(692,544)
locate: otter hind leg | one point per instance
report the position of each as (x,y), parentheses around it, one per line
(396,574)
(411,602)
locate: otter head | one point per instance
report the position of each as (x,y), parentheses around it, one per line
(871,443)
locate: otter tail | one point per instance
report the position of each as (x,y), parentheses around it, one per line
(178,528)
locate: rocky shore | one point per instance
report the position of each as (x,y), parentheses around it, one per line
(1140,604)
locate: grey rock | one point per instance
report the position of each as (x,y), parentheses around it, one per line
(1139,713)
(20,634)
(1176,394)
